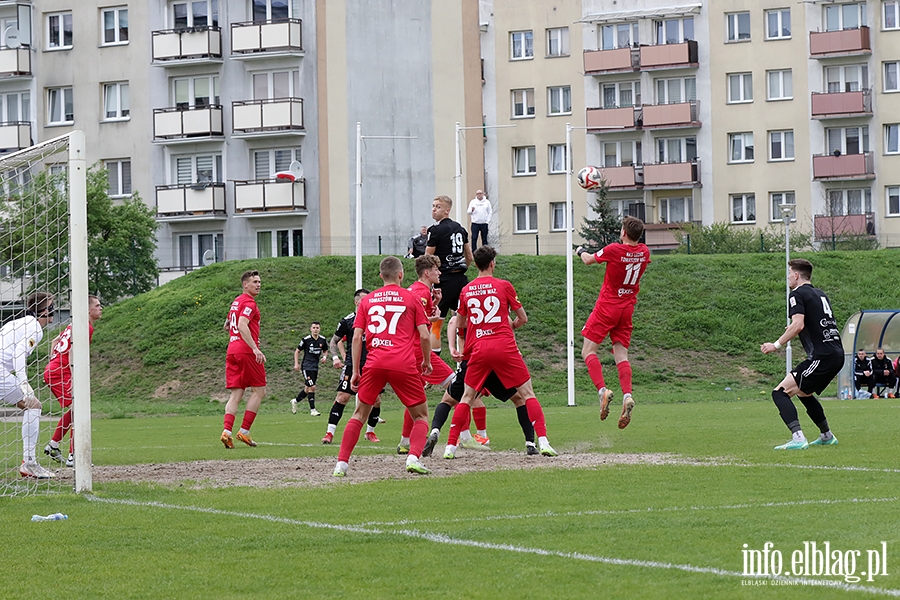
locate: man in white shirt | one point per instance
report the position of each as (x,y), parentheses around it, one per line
(18,339)
(480,210)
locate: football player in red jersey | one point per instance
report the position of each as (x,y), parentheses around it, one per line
(395,322)
(626,262)
(244,363)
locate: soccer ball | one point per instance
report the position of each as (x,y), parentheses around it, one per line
(589,178)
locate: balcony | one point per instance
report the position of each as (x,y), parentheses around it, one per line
(187,123)
(275,116)
(599,120)
(15,135)
(843,166)
(663,175)
(187,45)
(618,178)
(842,104)
(669,56)
(267,196)
(197,201)
(264,39)
(847,42)
(830,226)
(15,62)
(671,116)
(663,236)
(599,62)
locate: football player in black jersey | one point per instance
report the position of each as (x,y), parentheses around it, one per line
(813,320)
(315,351)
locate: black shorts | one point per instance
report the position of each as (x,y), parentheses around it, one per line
(492,384)
(451,285)
(344,380)
(813,376)
(310,376)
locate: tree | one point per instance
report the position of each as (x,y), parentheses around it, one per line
(606,226)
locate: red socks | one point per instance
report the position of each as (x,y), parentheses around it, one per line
(248,420)
(624,368)
(536,416)
(406,431)
(479,415)
(62,428)
(460,423)
(417,437)
(349,439)
(595,370)
(229,422)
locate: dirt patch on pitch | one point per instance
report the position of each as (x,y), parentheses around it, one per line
(312,472)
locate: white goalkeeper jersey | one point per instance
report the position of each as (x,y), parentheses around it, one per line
(18,339)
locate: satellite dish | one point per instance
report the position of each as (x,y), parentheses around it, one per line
(209,257)
(12,37)
(294,172)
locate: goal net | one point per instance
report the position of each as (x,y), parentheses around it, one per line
(43,248)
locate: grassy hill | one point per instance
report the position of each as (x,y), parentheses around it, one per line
(700,320)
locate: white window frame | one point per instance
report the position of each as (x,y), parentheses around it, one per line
(745,88)
(781,139)
(846,82)
(274,251)
(269,17)
(747,205)
(862,138)
(666,212)
(735,24)
(57,100)
(619,88)
(558,216)
(686,87)
(293,81)
(661,30)
(892,138)
(556,159)
(633,145)
(21,100)
(742,143)
(891,72)
(118,93)
(664,147)
(890,12)
(892,200)
(212,13)
(524,98)
(621,206)
(521,45)
(214,93)
(779,15)
(778,198)
(196,249)
(217,175)
(117,13)
(63,20)
(529,212)
(529,154)
(559,95)
(273,161)
(782,79)
(116,177)
(831,12)
(619,35)
(838,201)
(558,37)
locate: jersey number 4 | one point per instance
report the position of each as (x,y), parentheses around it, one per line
(485,312)
(378,321)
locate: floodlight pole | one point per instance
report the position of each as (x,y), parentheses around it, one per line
(786,211)
(458,175)
(359,138)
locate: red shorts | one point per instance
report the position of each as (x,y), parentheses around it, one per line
(61,388)
(407,386)
(440,371)
(505,361)
(242,372)
(612,321)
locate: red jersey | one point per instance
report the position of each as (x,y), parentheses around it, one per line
(243,306)
(59,354)
(485,303)
(390,317)
(625,264)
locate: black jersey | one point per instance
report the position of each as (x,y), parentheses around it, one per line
(860,366)
(344,330)
(820,336)
(312,349)
(448,239)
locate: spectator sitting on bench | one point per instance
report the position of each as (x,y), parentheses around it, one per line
(862,372)
(884,377)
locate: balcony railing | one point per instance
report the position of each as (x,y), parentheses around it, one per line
(597,62)
(620,177)
(823,44)
(672,174)
(188,43)
(600,120)
(830,226)
(682,114)
(842,104)
(281,36)
(191,199)
(276,114)
(268,195)
(15,135)
(669,56)
(844,166)
(15,62)
(187,122)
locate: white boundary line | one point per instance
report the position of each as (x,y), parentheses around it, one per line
(447,540)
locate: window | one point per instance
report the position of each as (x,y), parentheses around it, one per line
(119,175)
(116,104)
(740,87)
(778,24)
(271,10)
(673,91)
(521,45)
(738,26)
(526,218)
(781,145)
(559,100)
(522,103)
(779,198)
(198,13)
(620,35)
(891,78)
(674,31)
(15,106)
(676,150)
(524,161)
(115,25)
(59,31)
(892,195)
(849,202)
(59,106)
(847,140)
(557,158)
(632,207)
(621,94)
(558,216)
(891,142)
(848,78)
(845,16)
(780,85)
(198,169)
(558,41)
(276,84)
(674,210)
(743,208)
(196,91)
(891,13)
(621,154)
(741,147)
(268,162)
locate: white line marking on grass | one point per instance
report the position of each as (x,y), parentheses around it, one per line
(447,540)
